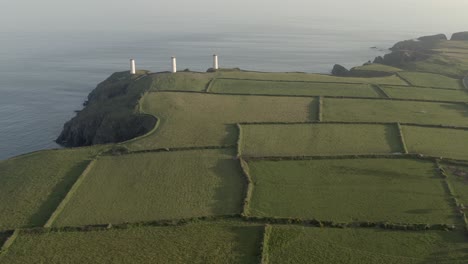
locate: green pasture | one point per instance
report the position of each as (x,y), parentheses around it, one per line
(318,139)
(439,142)
(377,67)
(366,110)
(153,186)
(210,242)
(458,180)
(187,119)
(296,244)
(349,190)
(292,88)
(33,185)
(430,80)
(311,77)
(426,94)
(182,81)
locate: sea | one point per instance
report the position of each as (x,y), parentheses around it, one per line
(46,76)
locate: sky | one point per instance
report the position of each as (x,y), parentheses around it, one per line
(188,15)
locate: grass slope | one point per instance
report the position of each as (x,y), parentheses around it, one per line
(206,119)
(377,67)
(182,81)
(318,139)
(439,142)
(33,185)
(363,110)
(347,190)
(292,88)
(293,244)
(311,77)
(431,80)
(426,94)
(152,186)
(214,242)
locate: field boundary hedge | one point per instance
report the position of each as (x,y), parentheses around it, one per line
(320,109)
(380,91)
(288,81)
(70,193)
(209,85)
(239,140)
(122,151)
(403,79)
(402,138)
(264,249)
(328,157)
(9,241)
(248,189)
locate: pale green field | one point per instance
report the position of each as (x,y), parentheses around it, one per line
(292,88)
(431,80)
(309,77)
(348,190)
(458,179)
(377,67)
(153,186)
(364,110)
(426,94)
(184,81)
(295,244)
(439,142)
(318,139)
(33,185)
(207,119)
(210,242)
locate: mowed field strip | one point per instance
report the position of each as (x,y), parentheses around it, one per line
(351,190)
(430,80)
(364,110)
(206,242)
(295,244)
(154,186)
(418,93)
(233,86)
(30,193)
(188,119)
(261,140)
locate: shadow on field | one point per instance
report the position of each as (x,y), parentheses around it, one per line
(458,108)
(313,106)
(457,244)
(247,248)
(393,140)
(229,193)
(57,194)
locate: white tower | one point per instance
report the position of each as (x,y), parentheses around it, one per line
(215,62)
(132,66)
(174,65)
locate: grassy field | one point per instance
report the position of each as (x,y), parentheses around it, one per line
(439,142)
(426,94)
(207,119)
(213,242)
(347,190)
(292,88)
(377,67)
(295,244)
(33,185)
(431,80)
(152,186)
(364,110)
(458,179)
(312,77)
(318,139)
(182,81)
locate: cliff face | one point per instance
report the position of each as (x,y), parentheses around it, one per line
(110,113)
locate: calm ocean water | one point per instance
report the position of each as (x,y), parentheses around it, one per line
(45,77)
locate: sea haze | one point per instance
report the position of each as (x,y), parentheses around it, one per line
(45,77)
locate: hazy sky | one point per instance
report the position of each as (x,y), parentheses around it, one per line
(180,15)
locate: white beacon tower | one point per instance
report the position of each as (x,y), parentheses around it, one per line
(174,65)
(215,62)
(132,66)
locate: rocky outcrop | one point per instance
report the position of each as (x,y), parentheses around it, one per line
(110,113)
(433,37)
(460,36)
(339,70)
